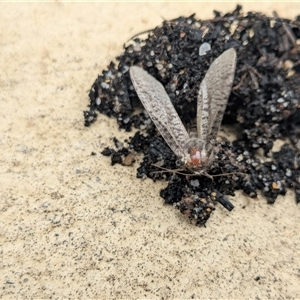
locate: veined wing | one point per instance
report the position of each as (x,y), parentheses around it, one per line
(213,95)
(160,109)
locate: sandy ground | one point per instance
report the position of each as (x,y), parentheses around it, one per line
(72,225)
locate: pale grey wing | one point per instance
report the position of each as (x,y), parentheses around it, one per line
(160,109)
(213,95)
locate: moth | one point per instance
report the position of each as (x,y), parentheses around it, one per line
(196,153)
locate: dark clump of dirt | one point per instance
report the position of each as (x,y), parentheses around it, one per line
(264,106)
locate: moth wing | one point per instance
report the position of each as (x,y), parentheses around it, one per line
(213,95)
(160,109)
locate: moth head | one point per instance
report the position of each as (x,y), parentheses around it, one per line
(198,157)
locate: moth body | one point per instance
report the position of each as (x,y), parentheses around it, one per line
(196,153)
(199,155)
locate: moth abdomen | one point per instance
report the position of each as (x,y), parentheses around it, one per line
(197,156)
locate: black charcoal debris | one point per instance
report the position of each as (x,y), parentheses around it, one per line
(264,105)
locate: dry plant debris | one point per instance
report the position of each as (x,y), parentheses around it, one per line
(264,106)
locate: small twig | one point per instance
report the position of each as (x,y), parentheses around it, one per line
(236,87)
(140,33)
